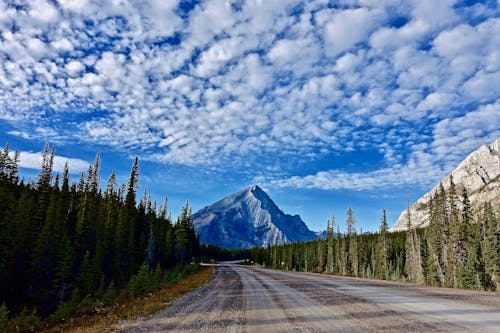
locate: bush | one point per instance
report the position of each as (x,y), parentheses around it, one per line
(191,268)
(4,318)
(110,297)
(174,275)
(64,312)
(87,306)
(157,278)
(139,283)
(25,322)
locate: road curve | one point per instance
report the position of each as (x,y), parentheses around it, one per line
(248,299)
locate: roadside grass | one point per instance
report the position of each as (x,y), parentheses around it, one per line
(104,319)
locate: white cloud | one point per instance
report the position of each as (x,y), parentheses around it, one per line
(43,11)
(483,85)
(73,68)
(456,41)
(392,38)
(359,181)
(346,28)
(32,160)
(435,101)
(244,81)
(453,139)
(74,5)
(62,44)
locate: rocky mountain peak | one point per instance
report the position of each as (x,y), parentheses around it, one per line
(248,218)
(478,173)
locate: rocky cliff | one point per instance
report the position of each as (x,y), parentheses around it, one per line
(479,173)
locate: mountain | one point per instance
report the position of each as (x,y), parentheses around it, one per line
(248,218)
(479,173)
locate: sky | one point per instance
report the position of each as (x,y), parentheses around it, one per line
(324,104)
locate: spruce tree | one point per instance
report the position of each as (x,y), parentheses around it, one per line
(490,250)
(330,260)
(339,253)
(351,244)
(4,318)
(382,248)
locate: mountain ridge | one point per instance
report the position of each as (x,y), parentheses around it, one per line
(479,173)
(248,218)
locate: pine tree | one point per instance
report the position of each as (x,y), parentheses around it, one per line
(85,280)
(339,253)
(4,318)
(467,275)
(182,228)
(363,258)
(8,197)
(455,247)
(413,262)
(351,244)
(382,248)
(435,242)
(330,260)
(64,269)
(133,184)
(320,254)
(490,249)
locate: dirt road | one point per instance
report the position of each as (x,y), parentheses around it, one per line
(246,299)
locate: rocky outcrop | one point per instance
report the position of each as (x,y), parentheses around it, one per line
(479,173)
(246,219)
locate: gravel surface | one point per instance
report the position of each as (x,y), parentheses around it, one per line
(247,299)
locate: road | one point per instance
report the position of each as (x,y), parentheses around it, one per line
(248,299)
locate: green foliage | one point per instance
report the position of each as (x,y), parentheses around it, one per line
(110,296)
(438,255)
(25,322)
(61,243)
(4,318)
(65,311)
(140,283)
(382,249)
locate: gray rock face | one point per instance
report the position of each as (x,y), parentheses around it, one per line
(248,218)
(479,173)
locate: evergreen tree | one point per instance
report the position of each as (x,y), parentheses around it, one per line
(330,260)
(490,249)
(382,248)
(320,255)
(351,244)
(4,318)
(435,242)
(413,261)
(455,254)
(339,253)
(59,239)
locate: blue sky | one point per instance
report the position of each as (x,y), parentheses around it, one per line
(324,104)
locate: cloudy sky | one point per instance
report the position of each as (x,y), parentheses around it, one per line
(324,104)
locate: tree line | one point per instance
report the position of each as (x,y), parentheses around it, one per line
(64,242)
(460,248)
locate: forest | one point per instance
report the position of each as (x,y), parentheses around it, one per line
(65,244)
(459,249)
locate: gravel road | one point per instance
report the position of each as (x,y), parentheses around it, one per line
(247,299)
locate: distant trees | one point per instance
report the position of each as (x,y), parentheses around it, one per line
(460,248)
(65,242)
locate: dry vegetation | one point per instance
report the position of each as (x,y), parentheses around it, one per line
(105,319)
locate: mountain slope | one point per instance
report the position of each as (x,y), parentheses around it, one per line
(479,173)
(248,218)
